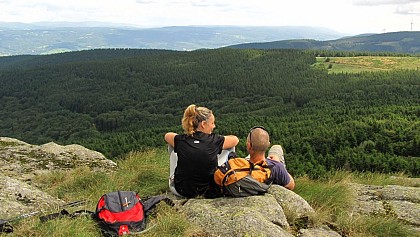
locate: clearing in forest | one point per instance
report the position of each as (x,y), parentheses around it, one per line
(367,63)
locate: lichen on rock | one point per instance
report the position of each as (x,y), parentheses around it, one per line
(22,160)
(18,198)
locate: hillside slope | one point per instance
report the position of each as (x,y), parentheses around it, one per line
(398,42)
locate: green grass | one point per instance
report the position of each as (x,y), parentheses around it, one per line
(5,143)
(384,179)
(328,198)
(366,63)
(146,172)
(371,226)
(331,198)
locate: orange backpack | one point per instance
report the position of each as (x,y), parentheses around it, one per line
(238,177)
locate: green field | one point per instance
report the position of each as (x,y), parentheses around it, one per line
(366,63)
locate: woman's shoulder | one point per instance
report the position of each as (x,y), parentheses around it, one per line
(182,136)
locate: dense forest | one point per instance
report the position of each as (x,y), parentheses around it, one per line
(118,100)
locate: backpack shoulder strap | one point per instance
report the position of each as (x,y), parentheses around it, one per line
(150,203)
(263,165)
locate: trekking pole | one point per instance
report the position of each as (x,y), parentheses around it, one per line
(63,211)
(7,228)
(73,204)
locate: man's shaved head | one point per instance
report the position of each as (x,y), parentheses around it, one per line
(258,139)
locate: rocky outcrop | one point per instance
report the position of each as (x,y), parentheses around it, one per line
(392,200)
(23,161)
(263,215)
(291,202)
(238,216)
(20,162)
(270,214)
(252,216)
(18,198)
(323,231)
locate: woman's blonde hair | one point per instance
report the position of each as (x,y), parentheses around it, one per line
(193,116)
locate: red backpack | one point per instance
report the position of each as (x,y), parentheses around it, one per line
(123,212)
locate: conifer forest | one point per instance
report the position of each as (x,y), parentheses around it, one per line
(120,100)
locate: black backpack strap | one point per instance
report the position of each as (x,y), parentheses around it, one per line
(52,216)
(251,167)
(150,203)
(5,227)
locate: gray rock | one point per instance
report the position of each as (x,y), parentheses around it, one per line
(368,208)
(23,161)
(20,162)
(406,211)
(395,192)
(367,199)
(248,216)
(290,201)
(18,198)
(323,231)
(392,200)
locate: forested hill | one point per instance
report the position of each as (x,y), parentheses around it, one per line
(34,61)
(115,101)
(399,42)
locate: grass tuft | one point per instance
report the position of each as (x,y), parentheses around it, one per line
(331,198)
(360,225)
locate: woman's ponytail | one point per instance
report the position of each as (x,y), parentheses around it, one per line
(193,116)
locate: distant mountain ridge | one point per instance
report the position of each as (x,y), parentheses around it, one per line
(399,42)
(47,38)
(57,37)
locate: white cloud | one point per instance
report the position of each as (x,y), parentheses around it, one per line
(408,10)
(383,2)
(401,7)
(347,16)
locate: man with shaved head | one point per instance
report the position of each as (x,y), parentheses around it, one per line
(257,142)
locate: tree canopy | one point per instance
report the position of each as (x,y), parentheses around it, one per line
(118,100)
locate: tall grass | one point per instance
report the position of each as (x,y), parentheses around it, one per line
(143,172)
(331,198)
(327,198)
(371,226)
(146,173)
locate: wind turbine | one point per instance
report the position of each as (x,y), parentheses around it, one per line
(411,24)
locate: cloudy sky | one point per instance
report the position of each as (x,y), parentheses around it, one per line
(345,16)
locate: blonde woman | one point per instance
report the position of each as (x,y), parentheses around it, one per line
(194,154)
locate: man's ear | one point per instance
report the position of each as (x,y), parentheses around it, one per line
(248,145)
